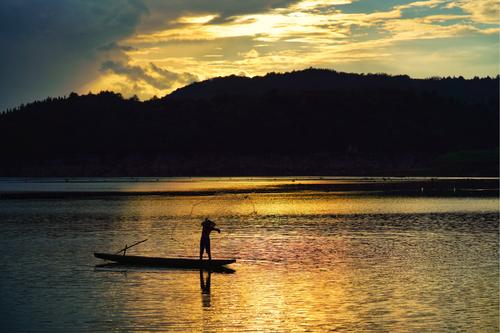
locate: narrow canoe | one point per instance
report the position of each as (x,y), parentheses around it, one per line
(164,262)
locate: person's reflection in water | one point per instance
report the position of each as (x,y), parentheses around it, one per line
(205,289)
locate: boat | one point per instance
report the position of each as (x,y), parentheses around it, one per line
(165,262)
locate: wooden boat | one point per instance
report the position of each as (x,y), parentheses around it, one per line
(164,262)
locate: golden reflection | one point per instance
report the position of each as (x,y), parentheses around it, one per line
(265,204)
(172,223)
(356,294)
(249,300)
(182,213)
(300,267)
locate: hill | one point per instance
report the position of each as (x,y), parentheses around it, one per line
(304,122)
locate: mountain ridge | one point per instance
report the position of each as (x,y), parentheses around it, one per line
(305,122)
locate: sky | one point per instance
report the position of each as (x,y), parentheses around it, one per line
(152,47)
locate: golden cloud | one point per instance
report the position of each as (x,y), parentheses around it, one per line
(200,19)
(482,11)
(306,33)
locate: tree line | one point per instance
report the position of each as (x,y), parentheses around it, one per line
(320,119)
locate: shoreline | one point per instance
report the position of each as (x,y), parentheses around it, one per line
(57,188)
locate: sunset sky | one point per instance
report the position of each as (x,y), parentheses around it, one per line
(151,47)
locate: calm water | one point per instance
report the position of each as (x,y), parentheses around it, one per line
(307,261)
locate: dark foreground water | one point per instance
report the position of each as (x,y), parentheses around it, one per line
(307,261)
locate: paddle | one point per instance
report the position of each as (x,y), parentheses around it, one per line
(124,250)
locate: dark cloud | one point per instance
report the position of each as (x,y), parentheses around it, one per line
(116,47)
(52,47)
(162,11)
(163,79)
(183,78)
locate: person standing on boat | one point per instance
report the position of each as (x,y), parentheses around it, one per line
(208,226)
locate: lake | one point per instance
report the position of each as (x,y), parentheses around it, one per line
(314,254)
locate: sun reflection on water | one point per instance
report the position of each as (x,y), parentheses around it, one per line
(305,262)
(327,263)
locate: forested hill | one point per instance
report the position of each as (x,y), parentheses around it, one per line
(319,80)
(305,122)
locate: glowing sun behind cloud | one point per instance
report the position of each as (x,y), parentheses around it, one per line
(419,38)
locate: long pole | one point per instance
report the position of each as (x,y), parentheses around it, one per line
(124,250)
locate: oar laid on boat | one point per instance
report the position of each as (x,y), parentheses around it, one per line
(124,250)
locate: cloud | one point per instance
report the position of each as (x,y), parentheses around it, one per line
(153,46)
(426,3)
(53,47)
(322,22)
(203,19)
(113,46)
(311,5)
(250,54)
(154,76)
(312,33)
(161,12)
(275,25)
(172,77)
(482,11)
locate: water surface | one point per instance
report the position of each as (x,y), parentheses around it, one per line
(307,260)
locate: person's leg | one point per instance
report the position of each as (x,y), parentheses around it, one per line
(202,247)
(207,247)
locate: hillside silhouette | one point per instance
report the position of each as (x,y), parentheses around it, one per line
(304,122)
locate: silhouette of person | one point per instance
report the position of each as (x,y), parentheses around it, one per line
(208,226)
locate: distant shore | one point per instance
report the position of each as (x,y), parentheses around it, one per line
(29,188)
(475,163)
